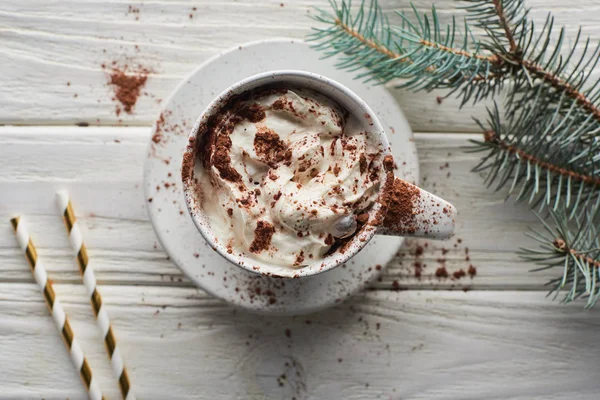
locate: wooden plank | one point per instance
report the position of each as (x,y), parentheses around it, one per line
(104,178)
(52,52)
(179,343)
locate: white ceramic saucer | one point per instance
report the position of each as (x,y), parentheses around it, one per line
(178,234)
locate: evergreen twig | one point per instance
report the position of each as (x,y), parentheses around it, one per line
(574,246)
(547,145)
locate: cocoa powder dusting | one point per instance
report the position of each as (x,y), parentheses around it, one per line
(254,113)
(363,163)
(299,258)
(269,147)
(222,161)
(401,210)
(277,104)
(187,167)
(388,163)
(472,271)
(157,137)
(262,237)
(419,250)
(127,85)
(459,274)
(441,272)
(336,170)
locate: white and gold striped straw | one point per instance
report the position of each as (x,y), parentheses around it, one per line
(56,309)
(89,281)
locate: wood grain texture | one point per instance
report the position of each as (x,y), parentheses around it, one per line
(104,180)
(500,339)
(52,52)
(182,344)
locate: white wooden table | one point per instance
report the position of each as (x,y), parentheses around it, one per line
(493,336)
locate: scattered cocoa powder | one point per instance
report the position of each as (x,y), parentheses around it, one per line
(253,113)
(187,166)
(441,272)
(336,170)
(269,147)
(262,237)
(472,271)
(418,269)
(384,199)
(230,212)
(400,216)
(299,258)
(388,163)
(363,163)
(222,161)
(158,135)
(419,250)
(128,84)
(459,274)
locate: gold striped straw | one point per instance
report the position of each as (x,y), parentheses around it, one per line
(89,281)
(56,310)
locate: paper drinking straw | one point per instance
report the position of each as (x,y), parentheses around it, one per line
(56,309)
(89,281)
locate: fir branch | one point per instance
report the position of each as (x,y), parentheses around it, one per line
(573,246)
(561,246)
(492,138)
(370,43)
(420,53)
(546,147)
(538,160)
(561,85)
(504,23)
(459,52)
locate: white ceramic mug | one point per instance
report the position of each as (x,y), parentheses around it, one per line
(417,212)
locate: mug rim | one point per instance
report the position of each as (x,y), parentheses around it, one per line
(199,217)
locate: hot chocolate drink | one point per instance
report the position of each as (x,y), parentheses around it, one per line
(285,175)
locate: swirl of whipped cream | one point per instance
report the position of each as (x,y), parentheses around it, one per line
(285,175)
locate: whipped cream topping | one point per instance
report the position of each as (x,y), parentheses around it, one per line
(286,176)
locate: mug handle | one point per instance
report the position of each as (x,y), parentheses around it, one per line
(415,212)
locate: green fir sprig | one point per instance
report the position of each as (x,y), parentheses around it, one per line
(545,145)
(574,246)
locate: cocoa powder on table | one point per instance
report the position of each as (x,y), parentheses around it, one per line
(128,84)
